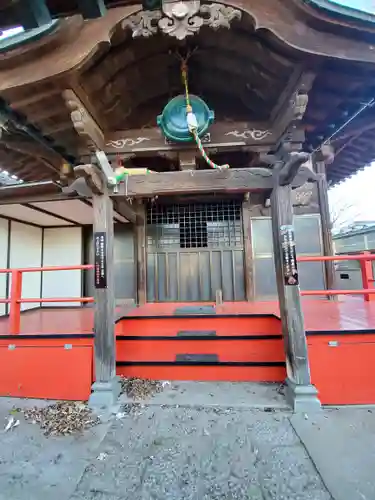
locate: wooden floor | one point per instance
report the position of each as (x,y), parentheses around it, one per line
(347,314)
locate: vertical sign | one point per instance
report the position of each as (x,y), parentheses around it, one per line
(289,256)
(100,248)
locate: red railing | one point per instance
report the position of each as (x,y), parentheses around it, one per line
(365,260)
(15,297)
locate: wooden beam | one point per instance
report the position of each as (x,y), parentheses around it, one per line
(33,98)
(301,394)
(224,134)
(105,388)
(284,100)
(51,159)
(83,122)
(248,249)
(234,180)
(290,170)
(325,220)
(92,175)
(127,210)
(140,234)
(293,102)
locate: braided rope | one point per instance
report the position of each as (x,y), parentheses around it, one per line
(204,154)
(193,129)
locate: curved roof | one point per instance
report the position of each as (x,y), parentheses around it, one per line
(242,73)
(24,37)
(11,14)
(363,10)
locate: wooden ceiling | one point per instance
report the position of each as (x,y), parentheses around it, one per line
(241,73)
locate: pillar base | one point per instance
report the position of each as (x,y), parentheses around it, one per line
(302,398)
(104,394)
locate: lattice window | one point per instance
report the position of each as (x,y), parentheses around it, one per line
(195,225)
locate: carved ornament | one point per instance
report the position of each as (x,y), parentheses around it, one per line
(300,105)
(181,19)
(302,196)
(127,141)
(256,135)
(83,122)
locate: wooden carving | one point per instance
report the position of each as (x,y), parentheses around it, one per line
(92,176)
(300,106)
(83,122)
(143,23)
(181,19)
(302,196)
(221,134)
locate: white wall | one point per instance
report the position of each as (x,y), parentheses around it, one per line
(26,251)
(4,230)
(62,247)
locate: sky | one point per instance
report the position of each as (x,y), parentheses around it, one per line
(363,5)
(10,32)
(354,199)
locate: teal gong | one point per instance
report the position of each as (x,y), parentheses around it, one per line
(173,122)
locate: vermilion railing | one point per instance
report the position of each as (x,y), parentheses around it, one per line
(15,297)
(365,260)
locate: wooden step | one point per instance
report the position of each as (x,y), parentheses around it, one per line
(230,372)
(196,344)
(228,349)
(262,324)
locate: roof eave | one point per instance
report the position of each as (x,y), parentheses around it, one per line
(349,13)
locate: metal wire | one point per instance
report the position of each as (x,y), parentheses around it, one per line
(357,113)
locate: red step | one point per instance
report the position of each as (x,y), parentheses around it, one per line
(268,350)
(220,373)
(201,347)
(223,325)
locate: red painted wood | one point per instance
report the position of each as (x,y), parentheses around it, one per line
(227,350)
(46,372)
(367,276)
(15,306)
(61,320)
(222,326)
(214,373)
(326,258)
(349,313)
(343,374)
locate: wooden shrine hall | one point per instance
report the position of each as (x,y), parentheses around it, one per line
(167,215)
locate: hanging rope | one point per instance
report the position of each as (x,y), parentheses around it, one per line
(192,119)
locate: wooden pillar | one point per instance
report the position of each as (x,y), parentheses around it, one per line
(140,234)
(106,387)
(301,394)
(326,226)
(248,249)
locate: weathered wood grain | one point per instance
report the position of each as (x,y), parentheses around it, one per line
(83,122)
(292,320)
(240,180)
(325,220)
(140,234)
(248,248)
(104,311)
(229,134)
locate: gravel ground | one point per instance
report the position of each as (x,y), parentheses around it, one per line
(179,453)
